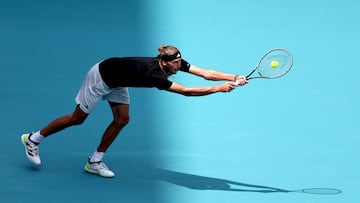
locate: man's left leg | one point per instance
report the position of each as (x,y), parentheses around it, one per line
(121,118)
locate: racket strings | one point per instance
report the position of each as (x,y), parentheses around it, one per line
(283,59)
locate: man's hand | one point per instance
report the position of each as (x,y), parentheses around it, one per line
(240,81)
(227,87)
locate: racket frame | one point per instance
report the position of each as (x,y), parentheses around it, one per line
(257,65)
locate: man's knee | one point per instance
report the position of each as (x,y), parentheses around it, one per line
(121,121)
(77,119)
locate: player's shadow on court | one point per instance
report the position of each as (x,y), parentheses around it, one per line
(197,182)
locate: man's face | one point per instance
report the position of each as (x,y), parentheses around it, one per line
(173,66)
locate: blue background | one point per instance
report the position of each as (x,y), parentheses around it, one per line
(299,131)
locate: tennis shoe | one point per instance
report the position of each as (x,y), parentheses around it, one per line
(99,168)
(31,149)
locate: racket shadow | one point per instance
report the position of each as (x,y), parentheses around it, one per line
(197,182)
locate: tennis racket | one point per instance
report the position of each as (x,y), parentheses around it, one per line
(274,63)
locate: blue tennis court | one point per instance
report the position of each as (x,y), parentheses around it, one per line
(255,144)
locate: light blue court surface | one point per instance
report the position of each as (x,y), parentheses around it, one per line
(299,131)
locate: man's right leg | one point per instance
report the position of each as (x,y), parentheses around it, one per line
(75,118)
(31,141)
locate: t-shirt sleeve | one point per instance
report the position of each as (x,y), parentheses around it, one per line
(163,85)
(185,66)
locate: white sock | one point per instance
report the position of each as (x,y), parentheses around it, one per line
(96,157)
(36,137)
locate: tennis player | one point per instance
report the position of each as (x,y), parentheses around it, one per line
(109,80)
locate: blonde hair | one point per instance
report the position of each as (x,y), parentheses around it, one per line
(167,51)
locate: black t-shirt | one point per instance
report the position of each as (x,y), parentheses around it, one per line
(136,72)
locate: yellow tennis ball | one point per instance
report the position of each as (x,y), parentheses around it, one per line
(274,64)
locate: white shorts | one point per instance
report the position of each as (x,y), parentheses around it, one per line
(94,89)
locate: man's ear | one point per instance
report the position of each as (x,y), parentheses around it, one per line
(163,63)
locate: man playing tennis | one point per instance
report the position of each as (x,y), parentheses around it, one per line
(109,80)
